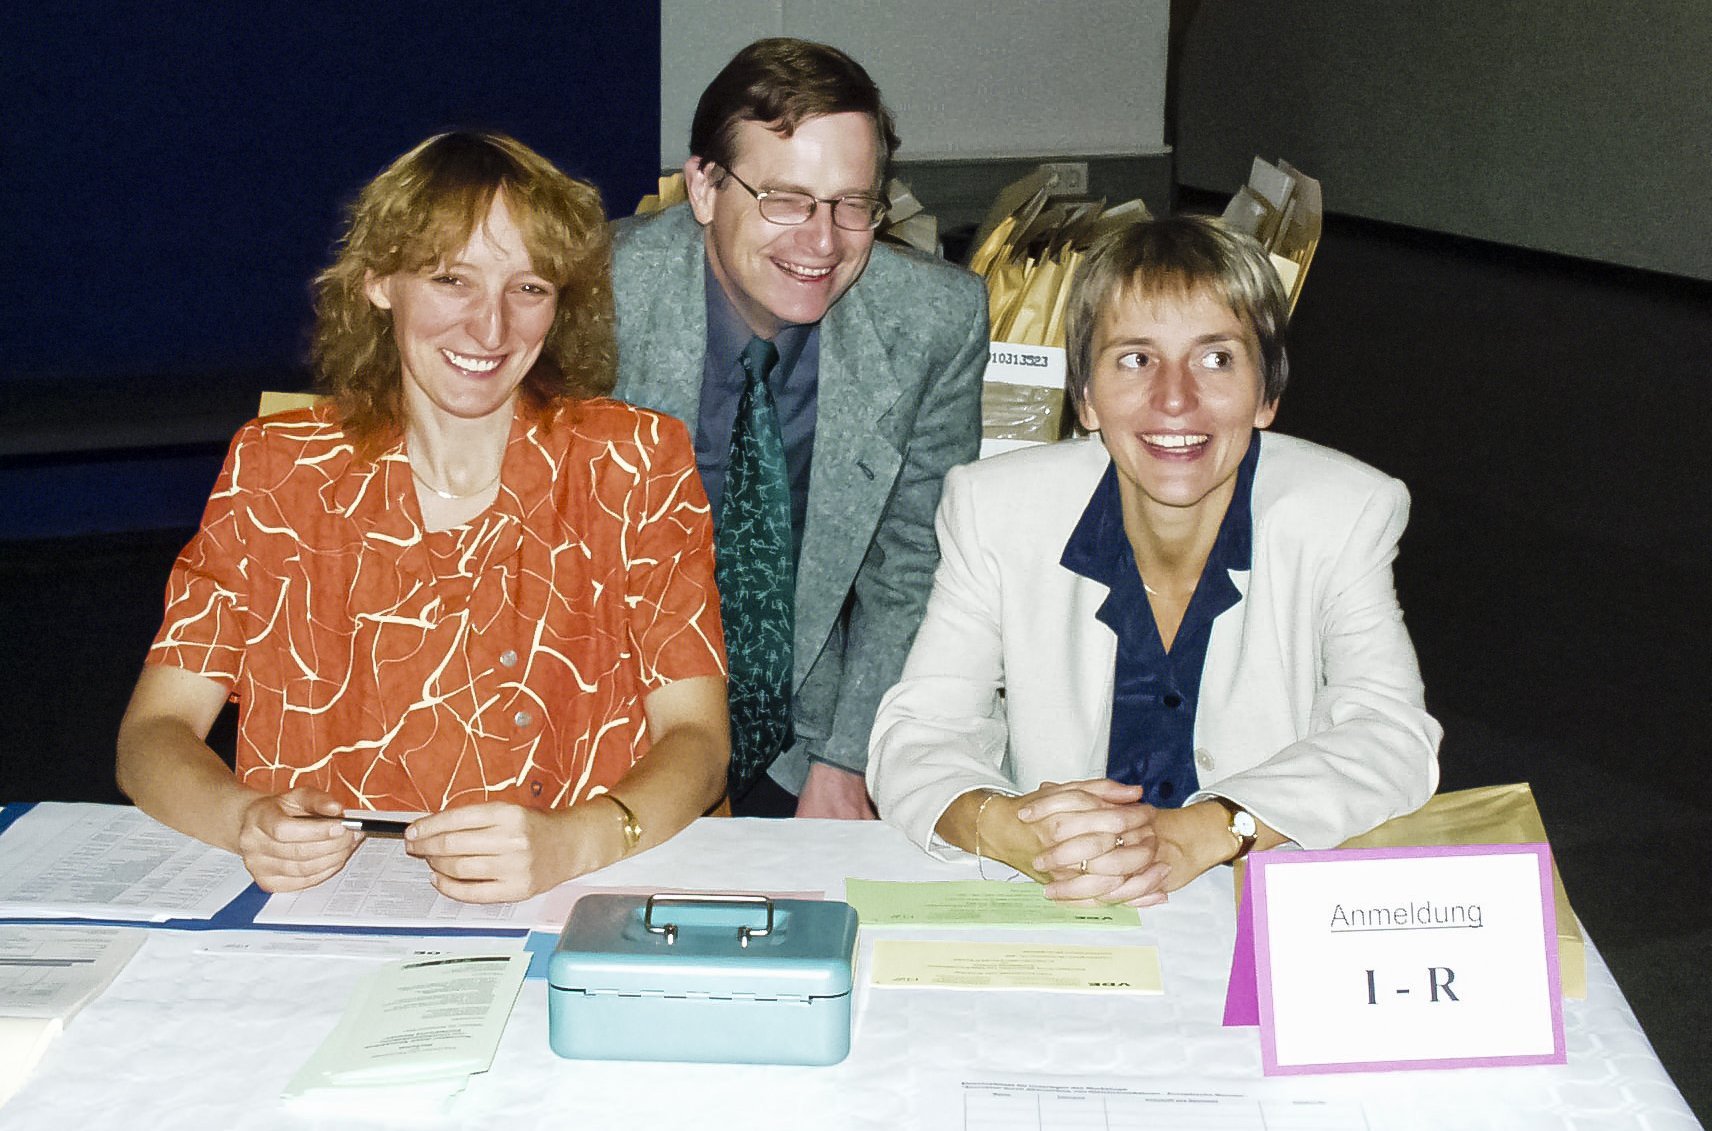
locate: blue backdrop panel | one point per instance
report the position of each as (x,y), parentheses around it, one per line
(172,174)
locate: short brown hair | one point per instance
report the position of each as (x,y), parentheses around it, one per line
(1177,256)
(781,83)
(422,210)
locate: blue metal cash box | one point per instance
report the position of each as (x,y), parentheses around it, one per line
(730,978)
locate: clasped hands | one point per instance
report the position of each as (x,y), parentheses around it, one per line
(1090,842)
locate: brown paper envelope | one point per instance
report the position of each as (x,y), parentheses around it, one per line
(1022,197)
(1029,316)
(901,202)
(1070,260)
(1115,217)
(273,402)
(1021,412)
(1004,284)
(994,249)
(920,231)
(1494,814)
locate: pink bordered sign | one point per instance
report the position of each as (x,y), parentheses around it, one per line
(1370,960)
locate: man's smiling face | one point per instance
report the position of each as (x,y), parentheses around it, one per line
(787,274)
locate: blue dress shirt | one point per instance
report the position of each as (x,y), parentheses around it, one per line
(795,382)
(1155,693)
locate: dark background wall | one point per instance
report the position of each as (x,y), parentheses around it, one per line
(1546,409)
(173,174)
(1577,126)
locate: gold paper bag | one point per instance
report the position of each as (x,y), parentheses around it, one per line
(671,191)
(1493,814)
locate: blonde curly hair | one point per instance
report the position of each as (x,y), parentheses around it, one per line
(422,211)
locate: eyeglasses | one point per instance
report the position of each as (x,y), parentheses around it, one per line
(783,206)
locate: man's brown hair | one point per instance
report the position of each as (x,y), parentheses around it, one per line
(781,83)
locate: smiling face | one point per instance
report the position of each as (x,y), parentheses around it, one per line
(787,274)
(1174,390)
(468,329)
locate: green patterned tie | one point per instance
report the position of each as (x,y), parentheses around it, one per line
(756,576)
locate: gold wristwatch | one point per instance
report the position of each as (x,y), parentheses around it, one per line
(1242,826)
(632,827)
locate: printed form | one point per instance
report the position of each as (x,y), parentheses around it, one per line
(1069,1103)
(382,886)
(85,861)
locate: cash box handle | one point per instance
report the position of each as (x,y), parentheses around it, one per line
(670,930)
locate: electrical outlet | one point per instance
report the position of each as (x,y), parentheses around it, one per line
(1069,178)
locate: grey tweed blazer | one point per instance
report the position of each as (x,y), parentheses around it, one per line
(901,360)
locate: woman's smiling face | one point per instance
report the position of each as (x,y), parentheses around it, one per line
(1175,393)
(469,329)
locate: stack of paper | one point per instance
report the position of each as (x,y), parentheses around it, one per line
(1020,963)
(413,1033)
(82,861)
(47,974)
(1028,250)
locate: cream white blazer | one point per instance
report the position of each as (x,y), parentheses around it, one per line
(1311,713)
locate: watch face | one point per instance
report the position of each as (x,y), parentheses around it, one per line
(1242,823)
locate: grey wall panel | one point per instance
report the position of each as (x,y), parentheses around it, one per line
(966,78)
(1581,126)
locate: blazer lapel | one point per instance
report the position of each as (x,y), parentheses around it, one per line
(1093,654)
(853,471)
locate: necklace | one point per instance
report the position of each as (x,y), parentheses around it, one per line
(1151,591)
(449,496)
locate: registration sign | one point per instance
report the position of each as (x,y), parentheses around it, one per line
(1381,959)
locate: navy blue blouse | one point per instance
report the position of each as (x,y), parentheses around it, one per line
(1155,692)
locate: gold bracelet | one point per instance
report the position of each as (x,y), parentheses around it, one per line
(632,826)
(980,861)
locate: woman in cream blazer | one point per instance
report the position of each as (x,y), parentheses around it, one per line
(1310,724)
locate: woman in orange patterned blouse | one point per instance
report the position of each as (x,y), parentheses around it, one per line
(467,583)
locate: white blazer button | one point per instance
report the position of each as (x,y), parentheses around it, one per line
(1202,758)
(508,658)
(523,718)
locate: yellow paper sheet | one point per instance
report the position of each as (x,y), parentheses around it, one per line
(984,903)
(1023,966)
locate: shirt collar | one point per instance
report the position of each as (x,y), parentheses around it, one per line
(1097,548)
(727,333)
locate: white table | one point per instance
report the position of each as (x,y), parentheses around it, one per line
(188,1040)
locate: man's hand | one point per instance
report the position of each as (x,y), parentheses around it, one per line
(498,852)
(832,791)
(293,840)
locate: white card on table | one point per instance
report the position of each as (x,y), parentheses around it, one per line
(1380,959)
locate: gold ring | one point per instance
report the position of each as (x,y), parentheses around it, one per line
(1084,867)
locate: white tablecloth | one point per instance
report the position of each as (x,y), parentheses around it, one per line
(189,1040)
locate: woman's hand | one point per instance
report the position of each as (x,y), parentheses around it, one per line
(293,840)
(1097,843)
(498,852)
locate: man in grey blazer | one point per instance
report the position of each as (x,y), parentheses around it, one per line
(880,354)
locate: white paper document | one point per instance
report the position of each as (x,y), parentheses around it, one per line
(48,973)
(1063,1103)
(51,971)
(381,886)
(414,1031)
(84,861)
(382,948)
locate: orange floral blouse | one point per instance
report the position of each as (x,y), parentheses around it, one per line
(506,659)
